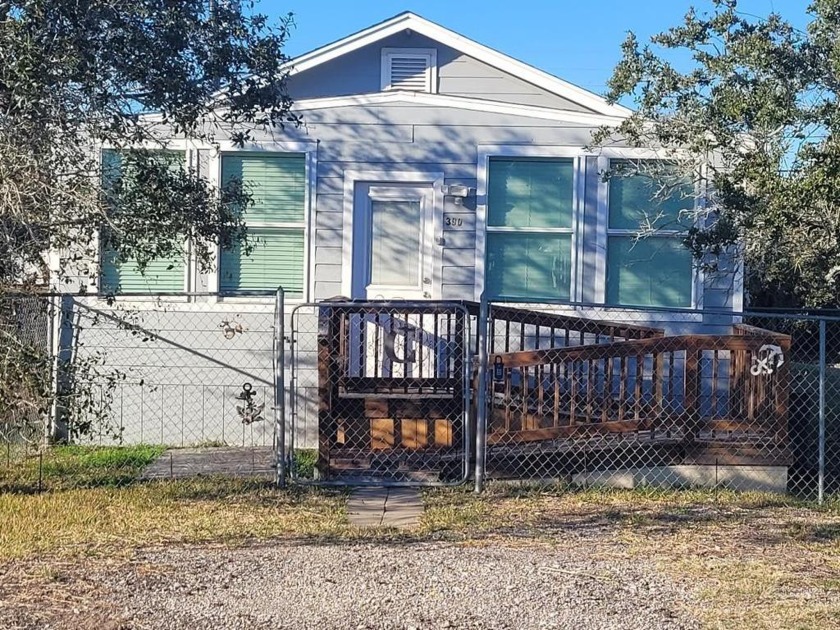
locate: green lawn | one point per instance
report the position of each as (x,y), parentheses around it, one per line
(65,467)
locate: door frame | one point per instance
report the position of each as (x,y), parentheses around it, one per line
(386,177)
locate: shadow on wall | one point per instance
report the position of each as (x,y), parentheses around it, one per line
(168,373)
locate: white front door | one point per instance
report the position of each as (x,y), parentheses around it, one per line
(393,242)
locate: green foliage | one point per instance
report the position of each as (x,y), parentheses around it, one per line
(132,76)
(748,107)
(141,79)
(304,463)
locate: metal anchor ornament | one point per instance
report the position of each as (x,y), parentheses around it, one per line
(250,412)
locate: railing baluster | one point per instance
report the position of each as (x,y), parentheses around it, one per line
(734,383)
(637,389)
(622,387)
(508,397)
(714,411)
(692,389)
(525,391)
(607,395)
(670,397)
(658,378)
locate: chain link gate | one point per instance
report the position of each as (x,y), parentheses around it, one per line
(379,393)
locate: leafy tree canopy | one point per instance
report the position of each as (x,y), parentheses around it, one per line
(749,107)
(78,75)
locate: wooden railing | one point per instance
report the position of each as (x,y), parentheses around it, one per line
(685,385)
(513,329)
(410,351)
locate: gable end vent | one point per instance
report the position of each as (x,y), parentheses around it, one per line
(413,69)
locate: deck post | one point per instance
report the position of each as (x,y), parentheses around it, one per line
(481,395)
(821,474)
(692,390)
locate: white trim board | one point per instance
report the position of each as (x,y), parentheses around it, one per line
(413,22)
(386,176)
(458,102)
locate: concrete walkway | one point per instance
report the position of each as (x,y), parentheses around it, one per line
(385,507)
(174,463)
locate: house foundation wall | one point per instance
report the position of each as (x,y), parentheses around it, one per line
(744,478)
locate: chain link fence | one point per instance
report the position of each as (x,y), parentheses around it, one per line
(25,368)
(99,390)
(588,395)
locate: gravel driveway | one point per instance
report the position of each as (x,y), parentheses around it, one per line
(400,585)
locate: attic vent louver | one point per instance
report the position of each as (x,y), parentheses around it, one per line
(412,69)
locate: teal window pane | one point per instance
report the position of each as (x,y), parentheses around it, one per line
(641,200)
(159,276)
(276,260)
(276,183)
(529,265)
(654,271)
(530,193)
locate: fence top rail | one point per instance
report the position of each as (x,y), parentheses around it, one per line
(570,322)
(353,307)
(637,347)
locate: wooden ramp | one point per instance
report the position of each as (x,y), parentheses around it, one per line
(394,394)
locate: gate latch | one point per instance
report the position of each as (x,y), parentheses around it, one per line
(498,369)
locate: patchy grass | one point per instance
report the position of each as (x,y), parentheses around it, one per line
(109,520)
(64,467)
(753,560)
(756,561)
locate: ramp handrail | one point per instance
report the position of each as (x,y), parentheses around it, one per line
(690,383)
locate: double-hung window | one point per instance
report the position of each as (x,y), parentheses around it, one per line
(530,219)
(161,275)
(648,215)
(275,222)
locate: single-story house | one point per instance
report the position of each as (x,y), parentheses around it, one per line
(428,167)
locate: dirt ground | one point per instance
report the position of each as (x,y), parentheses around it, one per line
(503,560)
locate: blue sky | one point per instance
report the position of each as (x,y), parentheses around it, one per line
(577,40)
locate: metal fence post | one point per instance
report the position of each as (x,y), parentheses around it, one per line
(280,386)
(481,395)
(821,439)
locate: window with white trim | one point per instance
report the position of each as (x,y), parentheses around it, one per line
(411,69)
(160,275)
(648,215)
(276,223)
(530,219)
